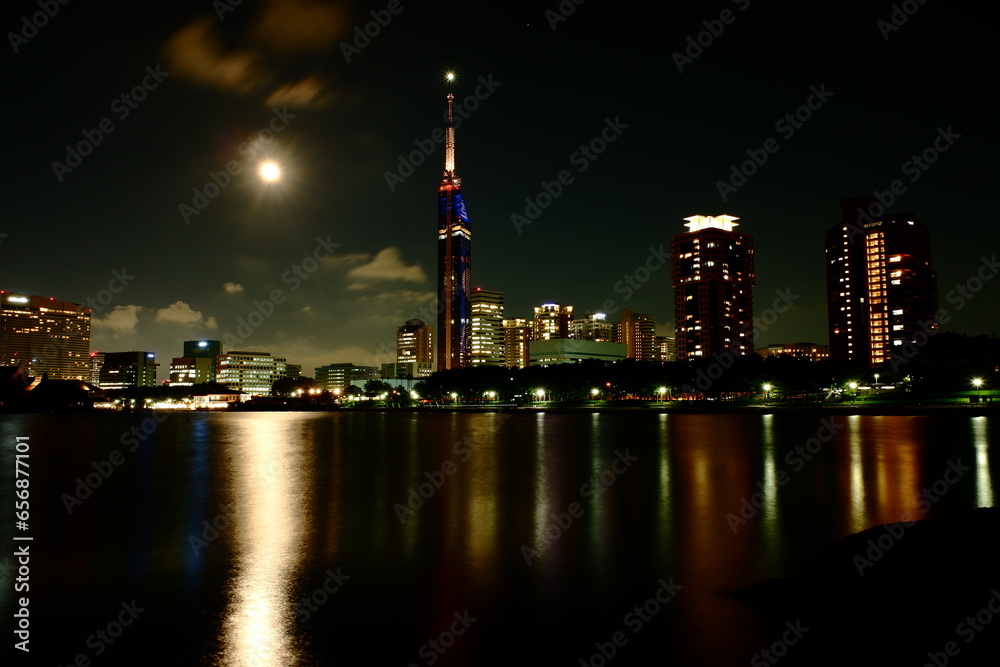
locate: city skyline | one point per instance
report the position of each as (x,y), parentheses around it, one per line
(561,143)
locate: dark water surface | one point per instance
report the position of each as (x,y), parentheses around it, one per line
(305,503)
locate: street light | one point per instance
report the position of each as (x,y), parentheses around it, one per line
(454,396)
(977,383)
(540,393)
(767,391)
(854,389)
(663,393)
(490,395)
(594,392)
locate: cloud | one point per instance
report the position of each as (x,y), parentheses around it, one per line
(386,265)
(297,26)
(181,313)
(309,92)
(195,52)
(121,320)
(264,53)
(232,288)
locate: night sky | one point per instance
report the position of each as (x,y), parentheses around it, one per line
(343,125)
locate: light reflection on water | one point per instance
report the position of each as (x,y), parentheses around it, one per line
(310,492)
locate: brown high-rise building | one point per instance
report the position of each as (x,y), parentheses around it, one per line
(552,321)
(517,336)
(45,336)
(415,342)
(638,332)
(881,287)
(712,272)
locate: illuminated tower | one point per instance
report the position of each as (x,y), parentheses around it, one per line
(454,262)
(881,287)
(713,278)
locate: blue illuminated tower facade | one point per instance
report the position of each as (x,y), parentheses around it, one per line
(454,341)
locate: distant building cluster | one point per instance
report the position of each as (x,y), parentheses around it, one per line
(881,292)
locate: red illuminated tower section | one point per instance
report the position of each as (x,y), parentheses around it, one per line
(454,342)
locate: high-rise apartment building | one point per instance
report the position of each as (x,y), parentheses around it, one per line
(638,333)
(517,336)
(43,335)
(712,272)
(487,328)
(454,328)
(335,378)
(881,287)
(593,327)
(552,321)
(415,343)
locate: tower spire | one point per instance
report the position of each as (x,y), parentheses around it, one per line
(449,142)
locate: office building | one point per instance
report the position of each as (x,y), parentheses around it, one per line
(487,328)
(571,350)
(552,321)
(128,370)
(712,272)
(45,336)
(666,348)
(250,373)
(187,371)
(335,378)
(881,287)
(454,328)
(517,336)
(200,349)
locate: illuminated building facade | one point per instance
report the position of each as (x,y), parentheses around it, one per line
(202,349)
(249,372)
(593,327)
(128,370)
(517,336)
(881,287)
(415,345)
(487,328)
(44,335)
(335,378)
(638,333)
(667,348)
(454,262)
(712,271)
(809,351)
(571,350)
(552,321)
(187,371)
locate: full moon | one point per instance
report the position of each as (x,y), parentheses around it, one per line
(269,171)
